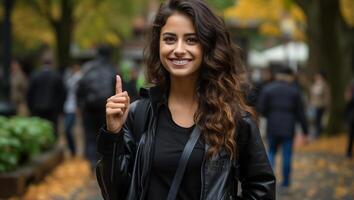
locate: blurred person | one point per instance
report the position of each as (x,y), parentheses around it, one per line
(319,100)
(18,84)
(95,86)
(71,78)
(251,92)
(281,104)
(197,96)
(46,92)
(350,117)
(265,77)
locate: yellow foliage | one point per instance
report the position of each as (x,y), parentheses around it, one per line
(297,14)
(269,13)
(106,24)
(340,192)
(299,35)
(56,11)
(112,39)
(29,28)
(347,7)
(269,28)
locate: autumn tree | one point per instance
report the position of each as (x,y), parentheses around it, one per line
(330,31)
(82,22)
(59,14)
(327,27)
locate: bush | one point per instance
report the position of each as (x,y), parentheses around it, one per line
(22,138)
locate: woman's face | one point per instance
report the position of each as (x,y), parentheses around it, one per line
(180,51)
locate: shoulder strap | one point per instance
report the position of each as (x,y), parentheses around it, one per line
(187,151)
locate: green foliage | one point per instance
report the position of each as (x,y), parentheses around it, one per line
(93,21)
(22,138)
(108,21)
(221,5)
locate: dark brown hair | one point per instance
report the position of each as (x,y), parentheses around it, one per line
(221,100)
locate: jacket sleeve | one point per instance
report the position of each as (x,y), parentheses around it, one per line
(262,103)
(256,175)
(115,164)
(300,113)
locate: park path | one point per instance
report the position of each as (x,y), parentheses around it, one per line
(320,171)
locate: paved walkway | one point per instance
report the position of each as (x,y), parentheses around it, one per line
(320,171)
(320,176)
(317,176)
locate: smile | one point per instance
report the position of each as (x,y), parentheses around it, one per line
(180,61)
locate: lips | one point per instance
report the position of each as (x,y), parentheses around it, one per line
(180,62)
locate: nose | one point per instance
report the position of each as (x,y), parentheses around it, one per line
(180,49)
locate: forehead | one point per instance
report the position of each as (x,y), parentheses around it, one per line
(178,23)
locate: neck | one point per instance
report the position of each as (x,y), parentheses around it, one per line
(182,91)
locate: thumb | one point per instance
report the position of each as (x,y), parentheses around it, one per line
(118,84)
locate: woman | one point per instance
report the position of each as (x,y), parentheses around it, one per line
(319,100)
(196,73)
(71,81)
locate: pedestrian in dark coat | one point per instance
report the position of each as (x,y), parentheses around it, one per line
(94,87)
(281,104)
(46,93)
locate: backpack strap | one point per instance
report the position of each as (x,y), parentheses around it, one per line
(141,116)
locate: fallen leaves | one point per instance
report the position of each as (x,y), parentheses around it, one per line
(320,170)
(72,175)
(335,144)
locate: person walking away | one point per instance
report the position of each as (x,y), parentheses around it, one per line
(46,93)
(281,104)
(19,84)
(319,100)
(71,79)
(95,86)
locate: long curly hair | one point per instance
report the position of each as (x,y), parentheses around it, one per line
(221,99)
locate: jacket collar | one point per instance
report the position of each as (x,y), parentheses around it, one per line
(157,96)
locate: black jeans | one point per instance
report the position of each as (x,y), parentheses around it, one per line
(318,120)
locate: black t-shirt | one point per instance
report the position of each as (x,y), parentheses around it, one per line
(169,145)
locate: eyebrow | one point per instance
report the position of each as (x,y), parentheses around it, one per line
(173,34)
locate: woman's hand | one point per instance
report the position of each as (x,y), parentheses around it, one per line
(117,108)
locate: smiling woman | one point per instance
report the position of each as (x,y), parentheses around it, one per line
(180,50)
(196,104)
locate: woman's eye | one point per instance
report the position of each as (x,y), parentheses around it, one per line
(192,40)
(169,40)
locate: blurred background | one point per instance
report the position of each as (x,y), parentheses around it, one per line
(48,46)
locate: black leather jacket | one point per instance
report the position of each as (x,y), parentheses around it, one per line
(124,166)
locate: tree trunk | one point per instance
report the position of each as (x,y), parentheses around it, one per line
(330,50)
(312,12)
(63,32)
(335,60)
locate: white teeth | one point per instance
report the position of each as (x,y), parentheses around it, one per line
(179,62)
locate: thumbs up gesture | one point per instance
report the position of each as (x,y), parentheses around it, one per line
(117,108)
